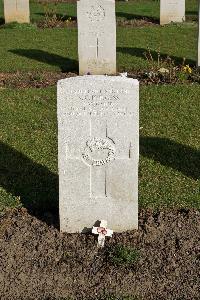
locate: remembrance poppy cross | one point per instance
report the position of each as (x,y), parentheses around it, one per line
(102,231)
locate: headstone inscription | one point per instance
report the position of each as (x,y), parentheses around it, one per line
(172,11)
(96,37)
(98,152)
(16,11)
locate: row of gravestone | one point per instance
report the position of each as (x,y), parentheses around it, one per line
(98,131)
(97,29)
(170,10)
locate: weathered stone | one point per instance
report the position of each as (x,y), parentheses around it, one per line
(98,152)
(96,37)
(172,11)
(16,11)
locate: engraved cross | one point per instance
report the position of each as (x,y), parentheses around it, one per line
(97,46)
(98,167)
(94,147)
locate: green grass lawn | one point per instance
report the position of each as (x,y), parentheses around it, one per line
(169,143)
(28,48)
(128,10)
(169,118)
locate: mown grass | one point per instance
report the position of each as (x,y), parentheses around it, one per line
(29,48)
(169,119)
(26,48)
(29,148)
(127,10)
(169,144)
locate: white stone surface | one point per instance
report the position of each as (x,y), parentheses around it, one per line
(172,11)
(102,232)
(98,152)
(198,56)
(16,11)
(96,37)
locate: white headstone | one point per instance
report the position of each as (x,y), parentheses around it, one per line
(198,57)
(16,11)
(96,37)
(172,11)
(98,152)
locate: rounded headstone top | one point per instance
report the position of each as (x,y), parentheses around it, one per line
(99,78)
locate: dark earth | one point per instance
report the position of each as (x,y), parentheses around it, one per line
(38,262)
(36,79)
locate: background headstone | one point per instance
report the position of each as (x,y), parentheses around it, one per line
(98,152)
(16,11)
(96,37)
(172,11)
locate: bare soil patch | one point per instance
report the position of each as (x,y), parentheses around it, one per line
(137,22)
(56,1)
(42,79)
(38,262)
(62,22)
(31,79)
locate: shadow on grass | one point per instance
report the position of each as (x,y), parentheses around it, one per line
(128,16)
(2,21)
(139,52)
(64,63)
(192,12)
(191,15)
(172,154)
(38,187)
(34,183)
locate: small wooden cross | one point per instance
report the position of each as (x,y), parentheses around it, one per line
(102,231)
